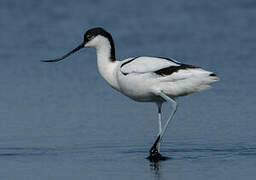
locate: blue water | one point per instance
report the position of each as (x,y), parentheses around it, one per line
(62,121)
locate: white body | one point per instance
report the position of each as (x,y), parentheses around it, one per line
(137,80)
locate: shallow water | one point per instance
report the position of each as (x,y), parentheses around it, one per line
(62,121)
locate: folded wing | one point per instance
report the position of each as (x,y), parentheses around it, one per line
(147,64)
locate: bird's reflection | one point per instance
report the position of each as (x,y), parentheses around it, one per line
(155,167)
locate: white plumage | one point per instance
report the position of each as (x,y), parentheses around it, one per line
(137,78)
(146,79)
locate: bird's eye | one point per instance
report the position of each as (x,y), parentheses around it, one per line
(89,36)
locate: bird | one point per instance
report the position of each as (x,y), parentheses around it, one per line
(145,79)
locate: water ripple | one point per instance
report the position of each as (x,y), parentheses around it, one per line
(172,153)
(212,152)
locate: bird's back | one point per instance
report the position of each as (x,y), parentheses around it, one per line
(140,77)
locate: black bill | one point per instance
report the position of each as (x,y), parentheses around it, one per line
(66,55)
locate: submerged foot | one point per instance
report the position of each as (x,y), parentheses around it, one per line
(154,155)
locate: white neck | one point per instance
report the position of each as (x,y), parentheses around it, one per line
(107,66)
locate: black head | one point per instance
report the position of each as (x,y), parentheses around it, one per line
(98,31)
(92,33)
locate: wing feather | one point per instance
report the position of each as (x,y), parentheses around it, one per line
(147,64)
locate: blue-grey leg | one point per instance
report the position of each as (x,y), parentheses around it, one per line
(154,151)
(159,105)
(174,106)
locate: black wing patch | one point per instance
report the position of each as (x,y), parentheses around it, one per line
(172,69)
(169,59)
(127,63)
